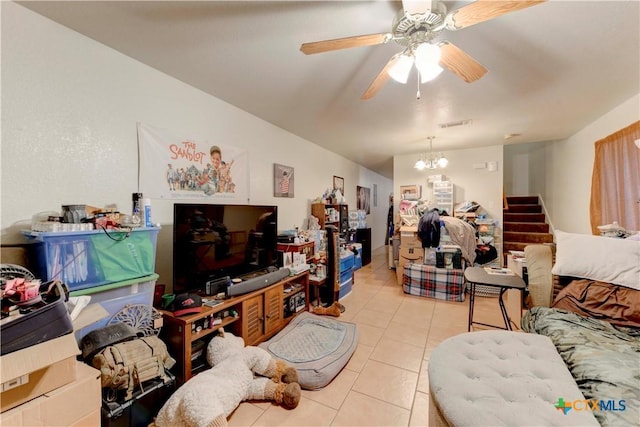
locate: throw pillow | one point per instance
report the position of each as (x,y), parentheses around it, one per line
(604,259)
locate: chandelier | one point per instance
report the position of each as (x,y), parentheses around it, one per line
(431,161)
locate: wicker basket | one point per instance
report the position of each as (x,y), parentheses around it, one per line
(485,291)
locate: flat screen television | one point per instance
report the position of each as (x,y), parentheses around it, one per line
(211,242)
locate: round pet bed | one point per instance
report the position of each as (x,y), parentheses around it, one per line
(318,346)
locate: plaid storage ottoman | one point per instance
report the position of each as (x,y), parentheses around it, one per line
(433,282)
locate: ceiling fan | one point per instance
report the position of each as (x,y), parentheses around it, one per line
(415,27)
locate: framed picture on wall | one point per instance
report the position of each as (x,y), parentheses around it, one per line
(338,184)
(410,192)
(375,195)
(363,199)
(283,181)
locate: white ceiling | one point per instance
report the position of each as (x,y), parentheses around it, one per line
(553,68)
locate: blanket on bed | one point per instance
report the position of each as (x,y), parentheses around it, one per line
(602,358)
(616,304)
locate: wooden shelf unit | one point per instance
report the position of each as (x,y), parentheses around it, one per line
(334,214)
(256,316)
(306,248)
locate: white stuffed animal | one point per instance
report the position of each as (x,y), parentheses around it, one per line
(211,396)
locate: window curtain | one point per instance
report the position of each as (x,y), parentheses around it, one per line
(615,184)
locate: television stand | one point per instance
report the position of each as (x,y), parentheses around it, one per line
(255,316)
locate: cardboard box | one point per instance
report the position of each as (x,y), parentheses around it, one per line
(408,254)
(74,404)
(412,253)
(409,236)
(15,254)
(91,420)
(31,372)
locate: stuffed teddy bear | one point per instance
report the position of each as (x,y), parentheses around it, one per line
(238,373)
(333,310)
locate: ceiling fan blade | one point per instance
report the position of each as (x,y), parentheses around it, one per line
(460,62)
(415,7)
(344,43)
(483,10)
(381,79)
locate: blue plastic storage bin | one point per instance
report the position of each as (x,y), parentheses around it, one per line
(86,259)
(357,260)
(116,296)
(345,287)
(346,261)
(346,275)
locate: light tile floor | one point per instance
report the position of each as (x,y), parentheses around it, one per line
(386,381)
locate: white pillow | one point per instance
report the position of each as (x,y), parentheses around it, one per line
(604,259)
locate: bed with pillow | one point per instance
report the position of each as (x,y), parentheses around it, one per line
(594,319)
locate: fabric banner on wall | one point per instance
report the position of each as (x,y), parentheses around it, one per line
(174,166)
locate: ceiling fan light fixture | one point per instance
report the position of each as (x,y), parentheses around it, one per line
(427,61)
(428,72)
(401,69)
(416,27)
(427,53)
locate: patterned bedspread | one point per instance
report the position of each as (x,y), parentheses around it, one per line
(603,359)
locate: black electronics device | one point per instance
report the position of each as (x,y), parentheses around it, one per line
(257,281)
(286,238)
(212,242)
(217,286)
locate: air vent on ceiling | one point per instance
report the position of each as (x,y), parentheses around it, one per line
(454,124)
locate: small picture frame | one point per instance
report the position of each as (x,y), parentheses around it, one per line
(338,184)
(375,195)
(410,192)
(283,181)
(363,199)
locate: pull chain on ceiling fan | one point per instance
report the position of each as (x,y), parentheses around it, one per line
(415,28)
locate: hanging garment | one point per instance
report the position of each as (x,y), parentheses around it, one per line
(462,234)
(429,229)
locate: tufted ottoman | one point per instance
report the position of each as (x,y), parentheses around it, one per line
(501,378)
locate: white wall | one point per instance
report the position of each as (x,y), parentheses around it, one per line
(560,171)
(69,111)
(479,185)
(525,169)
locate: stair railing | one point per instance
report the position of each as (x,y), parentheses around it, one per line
(547,216)
(505,203)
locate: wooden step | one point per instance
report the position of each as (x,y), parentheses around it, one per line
(513,246)
(524,224)
(523,217)
(532,227)
(525,209)
(522,200)
(517,237)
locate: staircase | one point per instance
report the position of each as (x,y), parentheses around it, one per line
(524,224)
